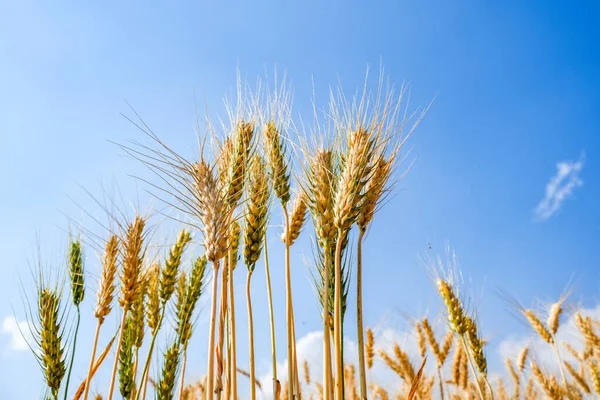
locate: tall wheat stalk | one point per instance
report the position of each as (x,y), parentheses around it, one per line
(105,298)
(271,324)
(130,275)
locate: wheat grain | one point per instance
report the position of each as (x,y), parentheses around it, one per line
(76,272)
(107,279)
(278,165)
(538,326)
(297,219)
(522,358)
(456,313)
(50,339)
(370,348)
(165,387)
(578,378)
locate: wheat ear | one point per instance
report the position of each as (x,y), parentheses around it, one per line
(50,339)
(130,274)
(76,275)
(105,297)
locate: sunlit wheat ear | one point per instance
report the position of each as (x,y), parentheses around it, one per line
(234,242)
(50,340)
(193,291)
(297,219)
(240,157)
(76,272)
(133,253)
(214,212)
(391,363)
(595,374)
(538,326)
(522,358)
(548,383)
(224,161)
(456,365)
(515,377)
(106,288)
(165,387)
(530,392)
(501,391)
(556,310)
(370,348)
(374,190)
(278,164)
(306,372)
(406,366)
(354,174)
(350,382)
(153,299)
(435,348)
(125,355)
(579,356)
(256,212)
(476,346)
(421,341)
(579,378)
(170,271)
(464,370)
(446,346)
(454,307)
(379,392)
(586,328)
(320,190)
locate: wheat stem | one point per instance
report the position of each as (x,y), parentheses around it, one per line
(441,381)
(288,299)
(250,337)
(145,372)
(222,317)
(211,334)
(468,355)
(560,363)
(72,353)
(271,320)
(116,363)
(337,317)
(327,373)
(233,360)
(182,380)
(359,318)
(144,378)
(93,359)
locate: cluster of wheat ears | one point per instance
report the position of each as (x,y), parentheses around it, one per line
(345,166)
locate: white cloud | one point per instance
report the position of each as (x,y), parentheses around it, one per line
(560,187)
(15,330)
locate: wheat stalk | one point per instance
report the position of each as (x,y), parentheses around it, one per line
(106,292)
(133,253)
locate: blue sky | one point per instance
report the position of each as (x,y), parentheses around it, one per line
(516,90)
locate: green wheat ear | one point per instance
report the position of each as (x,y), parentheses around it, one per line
(165,387)
(76,271)
(126,382)
(50,339)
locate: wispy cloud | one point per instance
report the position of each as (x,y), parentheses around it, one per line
(559,188)
(15,330)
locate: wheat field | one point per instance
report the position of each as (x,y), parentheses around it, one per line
(329,182)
